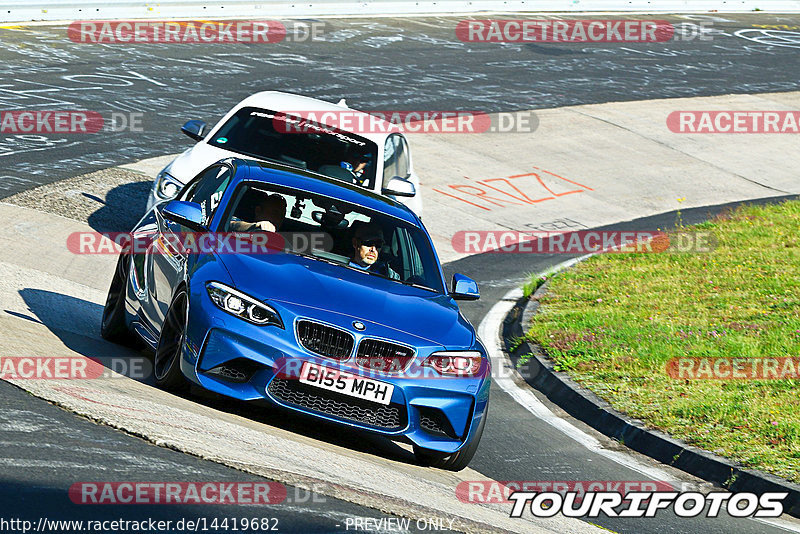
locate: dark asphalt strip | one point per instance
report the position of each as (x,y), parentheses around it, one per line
(378,64)
(47,449)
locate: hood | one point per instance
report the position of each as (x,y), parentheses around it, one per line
(189,163)
(298,282)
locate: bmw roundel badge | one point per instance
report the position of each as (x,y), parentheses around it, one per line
(358,325)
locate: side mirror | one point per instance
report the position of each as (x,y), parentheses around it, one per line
(464,288)
(399,187)
(195,129)
(188,214)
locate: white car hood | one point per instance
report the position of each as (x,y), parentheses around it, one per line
(189,164)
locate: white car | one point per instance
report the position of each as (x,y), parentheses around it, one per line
(251,129)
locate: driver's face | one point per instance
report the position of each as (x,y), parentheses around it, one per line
(368,255)
(367,251)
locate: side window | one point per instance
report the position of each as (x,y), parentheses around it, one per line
(398,249)
(405,249)
(388,160)
(402,157)
(395,158)
(417,268)
(414,261)
(207,190)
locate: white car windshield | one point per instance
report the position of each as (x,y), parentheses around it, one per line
(274,136)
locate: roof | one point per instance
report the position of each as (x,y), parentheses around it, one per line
(279,101)
(275,173)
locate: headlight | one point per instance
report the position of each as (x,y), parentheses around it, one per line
(462,363)
(167,186)
(242,306)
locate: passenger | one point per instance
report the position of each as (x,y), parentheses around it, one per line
(259,211)
(367,244)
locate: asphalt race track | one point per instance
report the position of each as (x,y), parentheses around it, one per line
(47,449)
(403,64)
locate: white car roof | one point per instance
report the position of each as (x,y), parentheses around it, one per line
(278,101)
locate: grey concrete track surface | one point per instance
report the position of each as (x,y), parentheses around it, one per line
(63,293)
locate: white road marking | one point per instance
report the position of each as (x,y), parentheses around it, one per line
(489,332)
(51,464)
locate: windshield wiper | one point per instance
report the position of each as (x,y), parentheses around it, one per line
(365,271)
(318,258)
(278,161)
(265,158)
(404,282)
(412,284)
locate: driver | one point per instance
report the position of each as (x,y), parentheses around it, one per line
(356,163)
(367,244)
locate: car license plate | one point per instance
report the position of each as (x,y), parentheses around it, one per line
(346,383)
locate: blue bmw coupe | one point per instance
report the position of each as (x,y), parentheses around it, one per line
(265,282)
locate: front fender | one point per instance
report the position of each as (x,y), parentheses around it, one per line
(201,269)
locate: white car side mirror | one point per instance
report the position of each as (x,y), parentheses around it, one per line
(399,187)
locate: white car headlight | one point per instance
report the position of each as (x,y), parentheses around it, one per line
(167,186)
(242,306)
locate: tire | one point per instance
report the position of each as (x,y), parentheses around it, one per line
(113,326)
(456,461)
(166,362)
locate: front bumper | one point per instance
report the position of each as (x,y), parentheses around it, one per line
(231,357)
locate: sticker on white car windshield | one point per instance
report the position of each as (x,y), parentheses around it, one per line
(222,140)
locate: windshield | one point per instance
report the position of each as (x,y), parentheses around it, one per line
(337,232)
(273,136)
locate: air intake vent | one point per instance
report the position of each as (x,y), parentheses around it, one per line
(325,340)
(383,356)
(238,370)
(434,422)
(365,413)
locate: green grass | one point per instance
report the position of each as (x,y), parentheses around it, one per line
(533,284)
(614,321)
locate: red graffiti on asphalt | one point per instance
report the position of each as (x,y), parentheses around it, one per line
(516,190)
